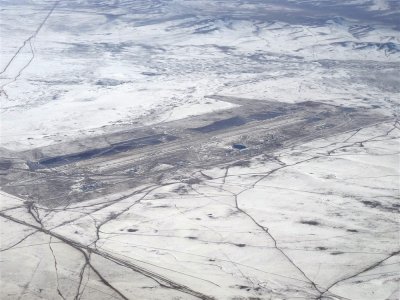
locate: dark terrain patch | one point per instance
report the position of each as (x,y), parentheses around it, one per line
(221,125)
(378,205)
(106,151)
(239,146)
(321,248)
(310,222)
(5,164)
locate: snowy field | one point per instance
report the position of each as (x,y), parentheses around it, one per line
(94,66)
(313,219)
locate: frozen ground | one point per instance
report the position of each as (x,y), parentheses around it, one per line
(95,66)
(317,221)
(309,210)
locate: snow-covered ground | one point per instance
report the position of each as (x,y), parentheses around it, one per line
(318,220)
(94,67)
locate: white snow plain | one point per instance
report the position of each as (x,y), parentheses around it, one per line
(314,221)
(93,68)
